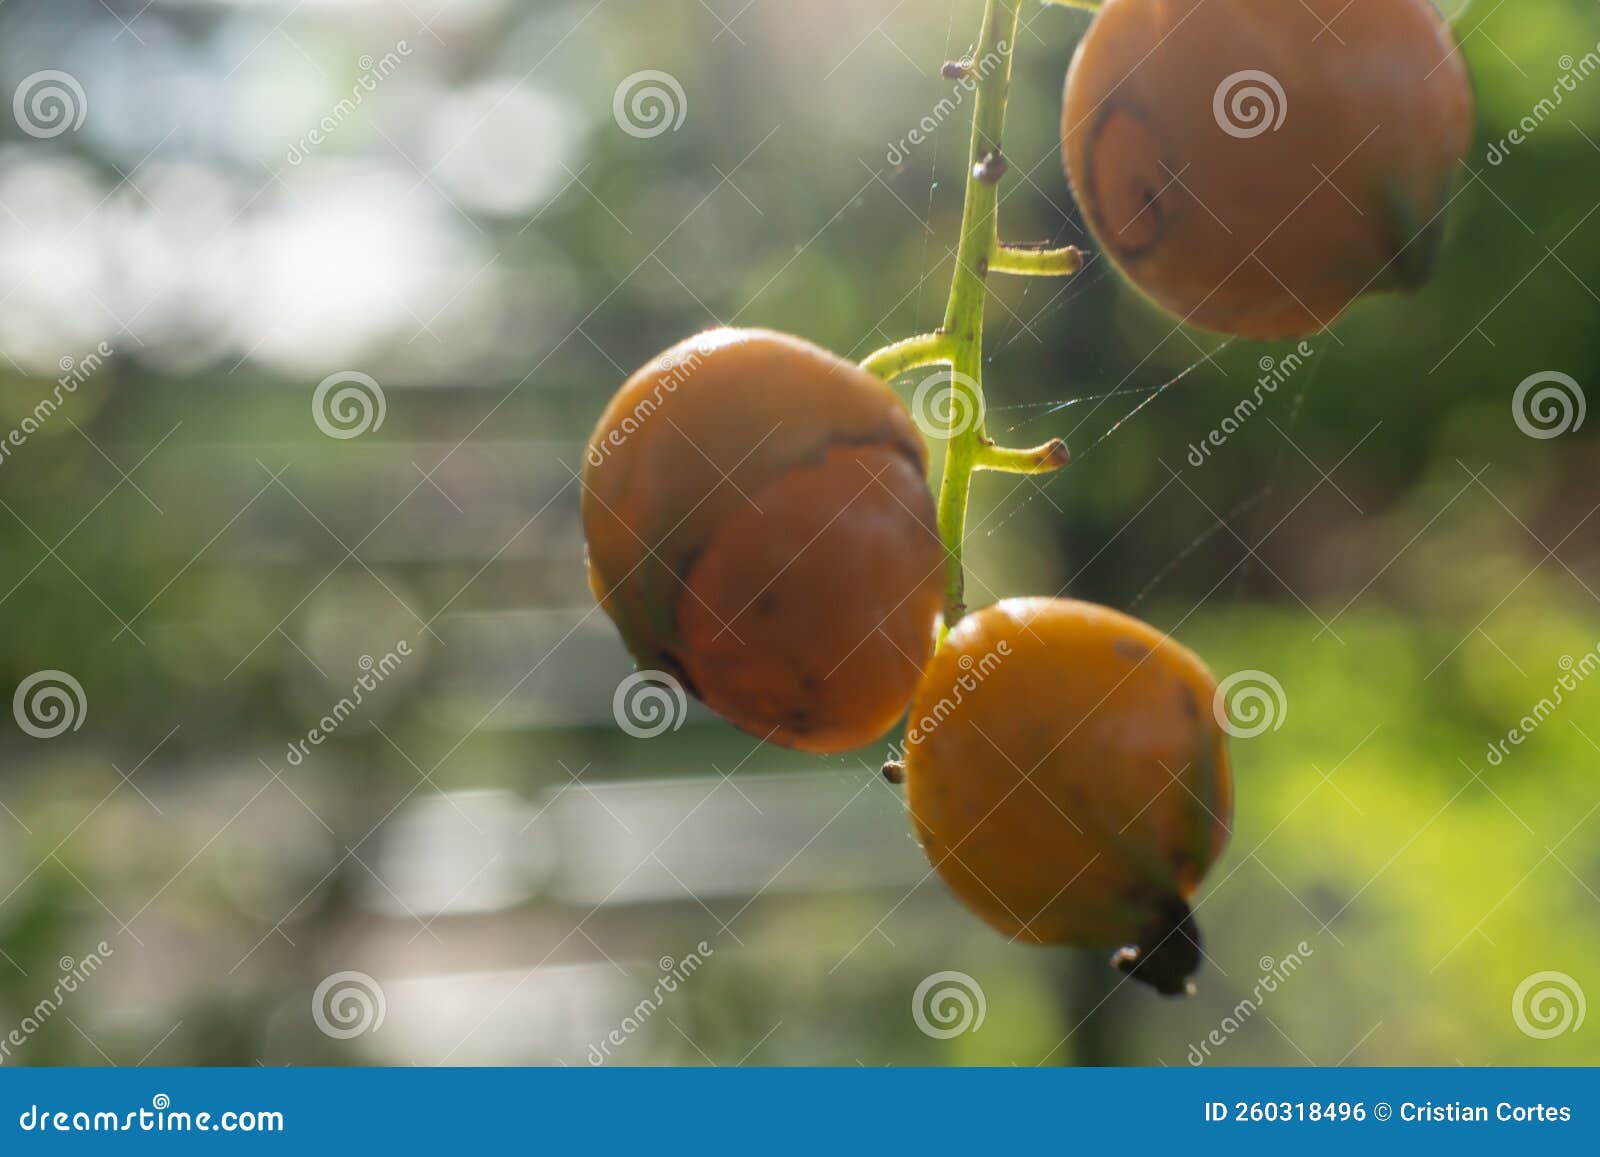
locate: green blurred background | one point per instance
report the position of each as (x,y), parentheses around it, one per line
(512,873)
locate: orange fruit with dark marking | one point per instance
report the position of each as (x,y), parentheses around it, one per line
(759,525)
(1254,166)
(1069,780)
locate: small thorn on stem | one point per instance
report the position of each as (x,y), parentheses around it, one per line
(894,771)
(990,168)
(956,69)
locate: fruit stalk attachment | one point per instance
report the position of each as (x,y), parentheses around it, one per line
(1168,954)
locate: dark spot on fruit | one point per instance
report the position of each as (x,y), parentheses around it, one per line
(1414,248)
(1128,649)
(668,662)
(1128,180)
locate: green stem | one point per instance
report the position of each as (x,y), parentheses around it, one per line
(963,319)
(1035,260)
(925,349)
(959,342)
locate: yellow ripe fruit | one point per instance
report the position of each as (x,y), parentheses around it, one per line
(1069,781)
(1254,166)
(759,525)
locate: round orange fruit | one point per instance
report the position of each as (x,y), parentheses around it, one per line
(1254,166)
(759,526)
(1069,781)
